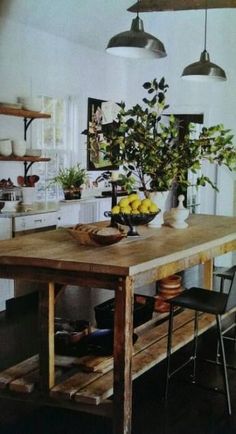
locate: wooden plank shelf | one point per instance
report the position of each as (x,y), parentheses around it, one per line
(26,158)
(90,381)
(10,111)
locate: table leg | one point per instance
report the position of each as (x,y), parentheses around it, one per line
(123,347)
(208,274)
(46,337)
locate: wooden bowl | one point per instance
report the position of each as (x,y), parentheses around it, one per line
(92,235)
(106,240)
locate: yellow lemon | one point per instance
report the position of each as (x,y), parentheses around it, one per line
(146,202)
(153,207)
(126,210)
(135,211)
(123,202)
(132,197)
(143,209)
(115,209)
(135,204)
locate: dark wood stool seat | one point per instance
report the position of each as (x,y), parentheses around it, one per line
(203,300)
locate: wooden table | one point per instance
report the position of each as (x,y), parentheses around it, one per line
(54,257)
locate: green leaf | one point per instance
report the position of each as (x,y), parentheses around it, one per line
(147,85)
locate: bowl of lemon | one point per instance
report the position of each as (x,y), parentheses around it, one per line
(133,211)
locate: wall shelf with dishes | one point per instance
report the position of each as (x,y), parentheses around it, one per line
(28,116)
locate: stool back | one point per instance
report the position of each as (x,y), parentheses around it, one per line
(231,299)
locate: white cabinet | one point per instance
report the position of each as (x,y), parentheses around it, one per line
(5,228)
(88,212)
(93,210)
(68,214)
(103,205)
(84,211)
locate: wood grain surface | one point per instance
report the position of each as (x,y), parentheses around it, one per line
(207,236)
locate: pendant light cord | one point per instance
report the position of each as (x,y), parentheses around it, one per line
(205,35)
(138,8)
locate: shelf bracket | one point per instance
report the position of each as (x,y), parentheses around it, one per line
(27,123)
(27,166)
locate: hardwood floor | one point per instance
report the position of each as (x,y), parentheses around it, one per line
(190,409)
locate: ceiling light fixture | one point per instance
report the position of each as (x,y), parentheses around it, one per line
(204,69)
(136,43)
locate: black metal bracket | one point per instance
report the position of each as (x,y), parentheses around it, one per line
(27,123)
(27,166)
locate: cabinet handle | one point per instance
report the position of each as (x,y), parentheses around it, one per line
(38,221)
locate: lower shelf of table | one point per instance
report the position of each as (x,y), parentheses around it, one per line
(87,382)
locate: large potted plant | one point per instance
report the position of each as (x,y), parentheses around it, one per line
(146,142)
(71,180)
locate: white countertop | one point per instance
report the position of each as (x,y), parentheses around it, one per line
(45,207)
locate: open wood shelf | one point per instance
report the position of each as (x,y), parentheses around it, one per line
(26,158)
(89,379)
(4,110)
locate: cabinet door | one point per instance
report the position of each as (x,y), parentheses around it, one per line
(88,212)
(68,215)
(103,205)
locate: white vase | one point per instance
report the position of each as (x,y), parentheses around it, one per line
(160,199)
(28,195)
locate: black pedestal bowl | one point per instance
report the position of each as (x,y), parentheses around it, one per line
(131,220)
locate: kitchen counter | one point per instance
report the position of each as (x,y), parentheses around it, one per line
(37,208)
(45,207)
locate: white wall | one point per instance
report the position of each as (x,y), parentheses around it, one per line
(183,36)
(34,62)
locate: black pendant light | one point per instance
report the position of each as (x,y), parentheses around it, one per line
(204,69)
(136,43)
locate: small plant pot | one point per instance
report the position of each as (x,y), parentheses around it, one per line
(72,193)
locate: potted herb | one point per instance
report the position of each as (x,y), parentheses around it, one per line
(71,180)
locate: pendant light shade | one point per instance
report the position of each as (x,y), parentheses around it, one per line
(136,43)
(204,69)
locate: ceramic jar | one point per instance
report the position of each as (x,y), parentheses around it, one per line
(28,195)
(5,147)
(19,148)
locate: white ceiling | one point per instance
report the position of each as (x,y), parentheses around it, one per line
(89,22)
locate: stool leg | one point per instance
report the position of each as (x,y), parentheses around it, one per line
(220,338)
(195,342)
(169,345)
(222,283)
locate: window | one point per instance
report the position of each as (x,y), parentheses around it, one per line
(58,137)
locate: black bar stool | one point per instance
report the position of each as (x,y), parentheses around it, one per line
(202,300)
(226,275)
